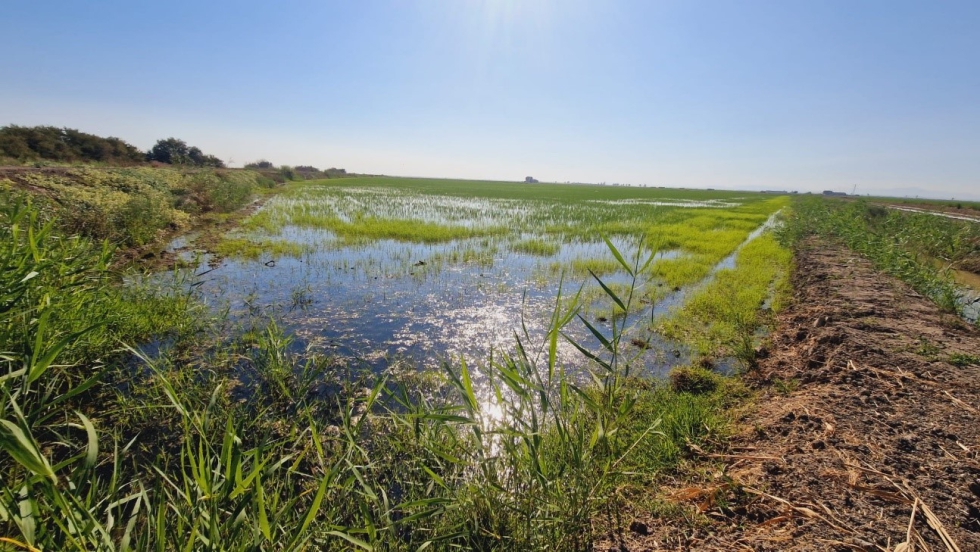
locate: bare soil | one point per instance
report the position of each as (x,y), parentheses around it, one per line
(864,435)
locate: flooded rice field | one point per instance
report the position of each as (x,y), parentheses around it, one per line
(384,275)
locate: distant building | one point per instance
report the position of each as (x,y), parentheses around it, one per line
(833,193)
(778,192)
(530,180)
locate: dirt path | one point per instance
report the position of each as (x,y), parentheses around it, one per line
(862,420)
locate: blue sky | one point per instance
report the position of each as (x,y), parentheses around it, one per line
(881,95)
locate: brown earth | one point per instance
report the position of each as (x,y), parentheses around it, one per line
(862,426)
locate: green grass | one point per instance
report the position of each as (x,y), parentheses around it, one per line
(963,359)
(251,249)
(536,246)
(721,318)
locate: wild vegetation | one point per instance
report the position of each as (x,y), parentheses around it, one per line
(921,249)
(210,437)
(64,145)
(299,172)
(53,146)
(134,206)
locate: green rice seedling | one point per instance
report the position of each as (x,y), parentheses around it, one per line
(682,271)
(579,266)
(254,249)
(536,246)
(301,298)
(722,317)
(401,230)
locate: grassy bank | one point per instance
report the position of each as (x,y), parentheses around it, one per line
(133,206)
(236,440)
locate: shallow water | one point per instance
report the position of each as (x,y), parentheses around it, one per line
(378,303)
(386,301)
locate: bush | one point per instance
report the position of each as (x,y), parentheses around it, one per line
(230,192)
(140,218)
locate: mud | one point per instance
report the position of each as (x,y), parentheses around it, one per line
(868,411)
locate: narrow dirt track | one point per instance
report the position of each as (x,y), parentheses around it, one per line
(861,420)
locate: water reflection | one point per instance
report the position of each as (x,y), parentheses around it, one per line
(388,301)
(378,303)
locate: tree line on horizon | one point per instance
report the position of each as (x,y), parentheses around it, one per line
(67,145)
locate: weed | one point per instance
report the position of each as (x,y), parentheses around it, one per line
(963,359)
(693,379)
(905,245)
(785,386)
(927,348)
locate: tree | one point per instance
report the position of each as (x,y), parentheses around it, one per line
(212,161)
(260,164)
(171,151)
(64,145)
(177,152)
(195,156)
